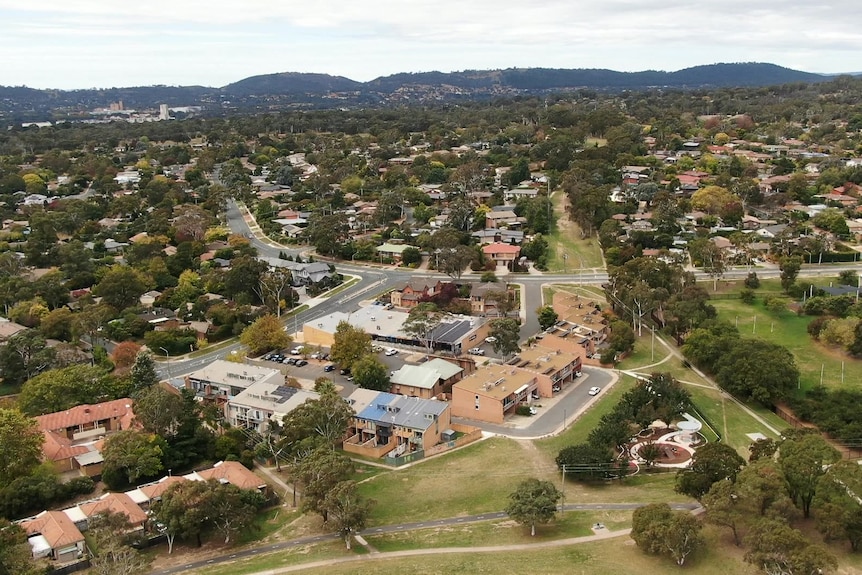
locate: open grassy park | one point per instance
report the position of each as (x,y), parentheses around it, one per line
(565,240)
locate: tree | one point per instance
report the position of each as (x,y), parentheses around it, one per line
(327,233)
(130,455)
(724,507)
(16,556)
(124,355)
(505,332)
(779,549)
(159,411)
(57,324)
(183,510)
(349,345)
(789,266)
(411,256)
(712,199)
(711,463)
(346,510)
(660,531)
(585,462)
(533,501)
(804,460)
(275,285)
(547,316)
(758,370)
(265,334)
(761,487)
(60,389)
(421,322)
(452,260)
(319,472)
(25,355)
(107,533)
(143,372)
(836,504)
(22,445)
(324,419)
(121,287)
(370,373)
(232,509)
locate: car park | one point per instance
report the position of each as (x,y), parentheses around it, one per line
(476,351)
(594,390)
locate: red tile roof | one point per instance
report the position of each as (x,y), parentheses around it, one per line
(86,414)
(233,472)
(115,503)
(55,527)
(501,248)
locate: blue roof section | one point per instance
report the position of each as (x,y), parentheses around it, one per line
(402,411)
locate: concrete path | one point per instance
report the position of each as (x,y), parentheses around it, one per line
(601,534)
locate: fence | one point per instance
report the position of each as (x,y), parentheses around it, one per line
(71,567)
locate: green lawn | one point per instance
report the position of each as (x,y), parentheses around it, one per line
(790,330)
(474,479)
(565,238)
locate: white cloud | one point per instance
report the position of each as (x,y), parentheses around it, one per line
(57,43)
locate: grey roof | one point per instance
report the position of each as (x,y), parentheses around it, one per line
(402,411)
(426,375)
(451,332)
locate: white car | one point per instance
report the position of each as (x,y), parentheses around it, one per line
(533,410)
(490,339)
(391,351)
(476,351)
(594,390)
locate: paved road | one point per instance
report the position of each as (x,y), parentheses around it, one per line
(398,529)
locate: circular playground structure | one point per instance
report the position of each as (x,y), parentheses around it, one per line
(662,445)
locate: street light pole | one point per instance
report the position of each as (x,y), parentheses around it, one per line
(168,356)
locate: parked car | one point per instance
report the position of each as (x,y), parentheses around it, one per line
(291,361)
(376,348)
(594,390)
(329,367)
(476,351)
(490,339)
(300,362)
(556,388)
(296,351)
(533,410)
(343,371)
(315,355)
(391,352)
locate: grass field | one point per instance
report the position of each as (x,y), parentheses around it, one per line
(565,238)
(790,330)
(474,479)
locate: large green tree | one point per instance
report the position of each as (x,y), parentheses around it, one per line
(346,510)
(776,547)
(130,455)
(660,531)
(349,345)
(505,332)
(804,459)
(711,463)
(265,334)
(22,445)
(121,287)
(836,504)
(533,502)
(319,473)
(59,389)
(16,556)
(370,373)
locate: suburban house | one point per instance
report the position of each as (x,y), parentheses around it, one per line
(392,251)
(389,424)
(503,254)
(223,380)
(505,218)
(499,235)
(302,273)
(492,392)
(52,534)
(8,329)
(262,401)
(553,369)
(427,380)
(232,472)
(149,298)
(480,303)
(73,438)
(409,295)
(120,503)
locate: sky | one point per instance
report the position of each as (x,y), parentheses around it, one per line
(70,44)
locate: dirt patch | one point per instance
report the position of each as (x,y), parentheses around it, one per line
(533,457)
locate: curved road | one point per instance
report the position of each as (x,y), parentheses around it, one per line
(398,529)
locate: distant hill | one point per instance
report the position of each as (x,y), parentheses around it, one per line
(291,82)
(270,91)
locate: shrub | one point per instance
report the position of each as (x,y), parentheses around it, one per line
(747,296)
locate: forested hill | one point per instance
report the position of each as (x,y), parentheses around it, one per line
(718,75)
(270,91)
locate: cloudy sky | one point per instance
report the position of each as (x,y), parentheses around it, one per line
(96,43)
